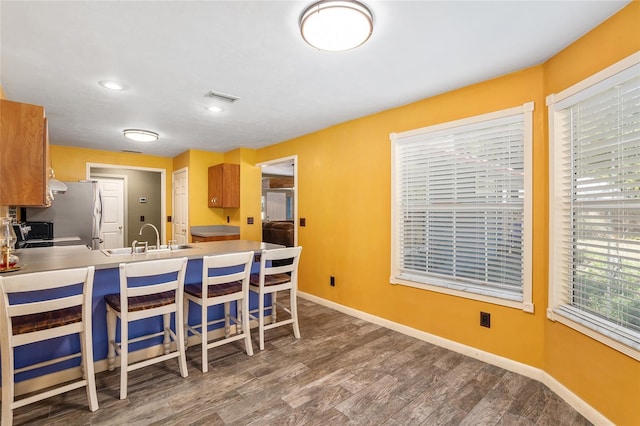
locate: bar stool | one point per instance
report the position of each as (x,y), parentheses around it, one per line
(278,272)
(228,285)
(40,306)
(147,289)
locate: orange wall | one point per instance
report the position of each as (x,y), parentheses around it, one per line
(344,181)
(607,379)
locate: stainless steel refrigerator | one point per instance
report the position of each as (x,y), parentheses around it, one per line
(75,213)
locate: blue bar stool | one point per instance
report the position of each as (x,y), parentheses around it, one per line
(278,272)
(147,289)
(230,283)
(41,306)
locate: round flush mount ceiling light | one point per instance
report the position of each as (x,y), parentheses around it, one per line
(112,85)
(214,108)
(336,25)
(140,135)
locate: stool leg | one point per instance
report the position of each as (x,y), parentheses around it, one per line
(186,322)
(182,358)
(243,314)
(124,355)
(204,336)
(87,367)
(261,319)
(7,385)
(273,307)
(227,320)
(166,323)
(293,304)
(111,337)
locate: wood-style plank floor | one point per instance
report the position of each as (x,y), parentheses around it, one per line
(342,371)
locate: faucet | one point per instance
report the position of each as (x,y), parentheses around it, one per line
(155,229)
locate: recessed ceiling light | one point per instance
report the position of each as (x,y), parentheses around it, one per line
(112,84)
(139,135)
(214,108)
(336,25)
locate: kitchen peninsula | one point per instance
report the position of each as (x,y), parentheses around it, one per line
(106,280)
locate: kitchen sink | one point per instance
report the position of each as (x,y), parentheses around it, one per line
(141,249)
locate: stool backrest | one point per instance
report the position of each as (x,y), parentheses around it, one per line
(41,292)
(280,261)
(151,277)
(241,272)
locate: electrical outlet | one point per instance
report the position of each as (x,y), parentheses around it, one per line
(303,221)
(485,319)
(332,281)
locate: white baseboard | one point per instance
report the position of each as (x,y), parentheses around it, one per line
(540,375)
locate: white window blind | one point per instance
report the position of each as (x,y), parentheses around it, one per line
(595,253)
(459,204)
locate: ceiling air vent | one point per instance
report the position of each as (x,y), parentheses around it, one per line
(221,96)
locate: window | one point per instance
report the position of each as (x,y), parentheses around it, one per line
(461,210)
(594,274)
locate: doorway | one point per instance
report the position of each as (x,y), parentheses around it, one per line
(279,197)
(181,205)
(145,202)
(113,226)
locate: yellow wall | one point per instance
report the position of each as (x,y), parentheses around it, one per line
(608,380)
(344,181)
(250,193)
(70,164)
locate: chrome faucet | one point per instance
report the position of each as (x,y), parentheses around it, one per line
(155,229)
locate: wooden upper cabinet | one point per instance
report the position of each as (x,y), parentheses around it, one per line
(224,185)
(24,155)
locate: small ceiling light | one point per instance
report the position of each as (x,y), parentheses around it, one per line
(336,25)
(214,108)
(140,135)
(113,85)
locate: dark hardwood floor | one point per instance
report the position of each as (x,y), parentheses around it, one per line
(342,371)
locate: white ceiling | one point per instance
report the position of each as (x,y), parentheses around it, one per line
(170,53)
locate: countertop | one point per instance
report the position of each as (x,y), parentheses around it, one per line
(214,230)
(52,258)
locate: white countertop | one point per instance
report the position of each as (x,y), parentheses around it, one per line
(52,258)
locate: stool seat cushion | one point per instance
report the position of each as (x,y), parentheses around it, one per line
(273,279)
(214,290)
(140,303)
(45,320)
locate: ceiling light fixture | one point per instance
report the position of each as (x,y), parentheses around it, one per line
(140,135)
(336,25)
(111,84)
(214,108)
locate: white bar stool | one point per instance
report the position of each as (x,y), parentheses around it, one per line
(222,288)
(37,321)
(147,289)
(278,272)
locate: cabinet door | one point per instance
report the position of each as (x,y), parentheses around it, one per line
(224,186)
(23,155)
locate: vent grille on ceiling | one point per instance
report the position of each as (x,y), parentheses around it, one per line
(221,96)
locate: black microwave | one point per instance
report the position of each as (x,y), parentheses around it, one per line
(40,230)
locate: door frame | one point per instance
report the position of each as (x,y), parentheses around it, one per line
(296,213)
(173,201)
(163,187)
(125,201)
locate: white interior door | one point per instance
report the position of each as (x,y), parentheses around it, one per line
(276,206)
(180,206)
(113,227)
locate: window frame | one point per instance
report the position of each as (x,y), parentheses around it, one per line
(559,311)
(526,304)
